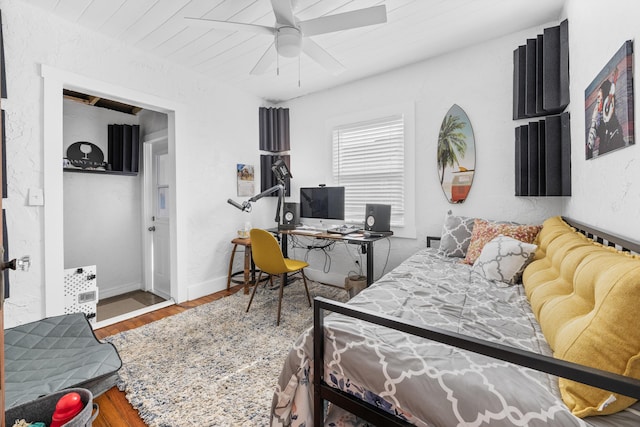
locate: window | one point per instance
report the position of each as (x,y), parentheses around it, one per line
(369,161)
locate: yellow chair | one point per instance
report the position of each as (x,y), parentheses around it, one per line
(268,257)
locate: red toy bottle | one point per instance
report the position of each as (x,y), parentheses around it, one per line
(67,407)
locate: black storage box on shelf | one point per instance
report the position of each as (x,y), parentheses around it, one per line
(42,409)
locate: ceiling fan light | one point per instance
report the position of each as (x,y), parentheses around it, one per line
(289,41)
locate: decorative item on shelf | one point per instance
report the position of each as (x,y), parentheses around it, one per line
(541,74)
(543,157)
(456,155)
(608,101)
(84,155)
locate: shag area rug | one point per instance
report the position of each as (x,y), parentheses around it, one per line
(215,365)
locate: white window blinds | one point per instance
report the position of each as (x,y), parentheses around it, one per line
(368,160)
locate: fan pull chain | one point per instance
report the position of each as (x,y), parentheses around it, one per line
(299,70)
(277,57)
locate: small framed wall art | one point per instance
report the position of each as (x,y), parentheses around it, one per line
(246,180)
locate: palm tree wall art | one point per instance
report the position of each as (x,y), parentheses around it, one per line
(456,155)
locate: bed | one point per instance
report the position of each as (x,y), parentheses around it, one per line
(54,354)
(438,378)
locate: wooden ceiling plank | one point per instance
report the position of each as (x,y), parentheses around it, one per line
(155,17)
(75,98)
(176,23)
(125,17)
(261,14)
(71,9)
(47,5)
(227,10)
(99,12)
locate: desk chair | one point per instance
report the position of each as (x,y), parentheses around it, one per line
(268,257)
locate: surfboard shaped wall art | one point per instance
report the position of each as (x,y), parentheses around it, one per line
(456,155)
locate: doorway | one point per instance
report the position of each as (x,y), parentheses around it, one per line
(55,81)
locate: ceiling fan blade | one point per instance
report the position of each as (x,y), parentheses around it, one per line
(284,12)
(321,56)
(265,60)
(230,26)
(344,21)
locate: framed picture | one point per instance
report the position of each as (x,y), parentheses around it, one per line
(246,180)
(608,106)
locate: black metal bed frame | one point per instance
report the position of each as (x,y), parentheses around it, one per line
(323,392)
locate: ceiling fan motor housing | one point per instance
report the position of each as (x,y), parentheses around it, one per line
(288,41)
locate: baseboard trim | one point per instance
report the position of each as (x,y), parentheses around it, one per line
(207,287)
(119,290)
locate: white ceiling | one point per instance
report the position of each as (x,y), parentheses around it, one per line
(415,30)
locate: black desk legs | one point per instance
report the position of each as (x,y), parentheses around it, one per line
(369,263)
(284,245)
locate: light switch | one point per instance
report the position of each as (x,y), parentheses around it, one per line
(36,197)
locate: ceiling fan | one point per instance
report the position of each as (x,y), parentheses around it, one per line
(291,36)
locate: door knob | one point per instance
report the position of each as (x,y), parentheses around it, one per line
(152,228)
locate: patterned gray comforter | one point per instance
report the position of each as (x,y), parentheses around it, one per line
(428,383)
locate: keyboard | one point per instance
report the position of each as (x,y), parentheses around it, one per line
(308,231)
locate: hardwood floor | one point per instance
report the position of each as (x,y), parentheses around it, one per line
(115,409)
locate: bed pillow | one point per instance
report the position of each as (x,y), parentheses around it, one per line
(585,297)
(503,259)
(485,231)
(456,235)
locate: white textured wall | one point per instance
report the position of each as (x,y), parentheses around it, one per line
(220,130)
(606,190)
(102,213)
(478,79)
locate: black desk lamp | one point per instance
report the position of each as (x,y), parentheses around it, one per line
(281,171)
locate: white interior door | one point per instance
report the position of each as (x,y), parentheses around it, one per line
(157,217)
(160,227)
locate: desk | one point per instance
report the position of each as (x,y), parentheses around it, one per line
(355,238)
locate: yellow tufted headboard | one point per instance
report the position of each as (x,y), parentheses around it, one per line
(586,297)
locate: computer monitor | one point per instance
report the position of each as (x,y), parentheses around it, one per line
(322,202)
